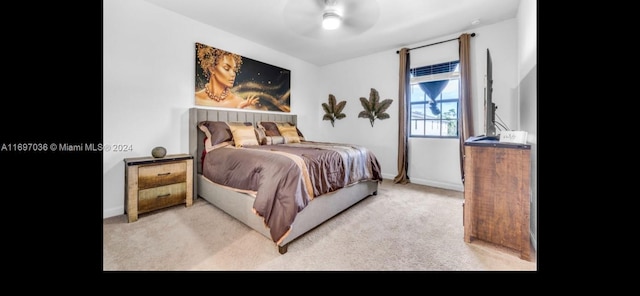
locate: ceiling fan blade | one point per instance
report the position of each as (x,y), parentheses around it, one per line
(358,23)
(303,24)
(309,7)
(361,13)
(305,16)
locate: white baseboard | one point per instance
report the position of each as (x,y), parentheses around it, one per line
(112,212)
(443,185)
(436,184)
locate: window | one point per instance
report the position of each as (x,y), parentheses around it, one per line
(435,97)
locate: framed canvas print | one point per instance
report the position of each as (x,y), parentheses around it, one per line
(228,80)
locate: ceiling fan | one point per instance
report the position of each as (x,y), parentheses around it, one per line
(306,17)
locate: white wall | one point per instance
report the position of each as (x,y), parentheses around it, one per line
(433,162)
(501,40)
(350,80)
(148,89)
(148,60)
(528,95)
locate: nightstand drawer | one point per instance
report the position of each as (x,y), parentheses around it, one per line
(161,197)
(159,175)
(154,183)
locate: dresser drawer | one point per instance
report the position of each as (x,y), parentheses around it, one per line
(161,197)
(159,175)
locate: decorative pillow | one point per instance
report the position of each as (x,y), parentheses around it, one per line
(243,134)
(300,135)
(270,128)
(273,140)
(262,138)
(289,133)
(291,124)
(216,133)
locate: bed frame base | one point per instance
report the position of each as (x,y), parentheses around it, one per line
(319,210)
(240,205)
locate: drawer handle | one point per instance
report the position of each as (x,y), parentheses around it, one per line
(164,174)
(164,195)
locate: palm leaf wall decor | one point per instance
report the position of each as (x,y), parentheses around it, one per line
(373,108)
(333,110)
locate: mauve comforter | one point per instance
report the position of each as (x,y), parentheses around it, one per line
(287,177)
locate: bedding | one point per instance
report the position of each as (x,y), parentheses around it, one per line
(289,133)
(216,133)
(270,128)
(272,133)
(273,140)
(244,134)
(287,177)
(210,134)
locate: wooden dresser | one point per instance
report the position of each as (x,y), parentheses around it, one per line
(497,194)
(156,183)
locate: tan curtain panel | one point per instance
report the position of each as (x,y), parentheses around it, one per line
(403,134)
(465,120)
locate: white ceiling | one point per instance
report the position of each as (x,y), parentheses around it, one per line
(289,26)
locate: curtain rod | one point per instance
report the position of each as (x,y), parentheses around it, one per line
(472,35)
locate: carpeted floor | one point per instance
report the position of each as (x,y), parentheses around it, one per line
(403,228)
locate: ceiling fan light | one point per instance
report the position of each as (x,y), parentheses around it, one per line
(331,21)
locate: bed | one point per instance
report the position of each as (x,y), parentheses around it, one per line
(290,185)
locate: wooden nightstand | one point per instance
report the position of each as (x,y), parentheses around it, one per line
(156,183)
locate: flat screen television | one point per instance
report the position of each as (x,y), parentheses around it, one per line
(489,106)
